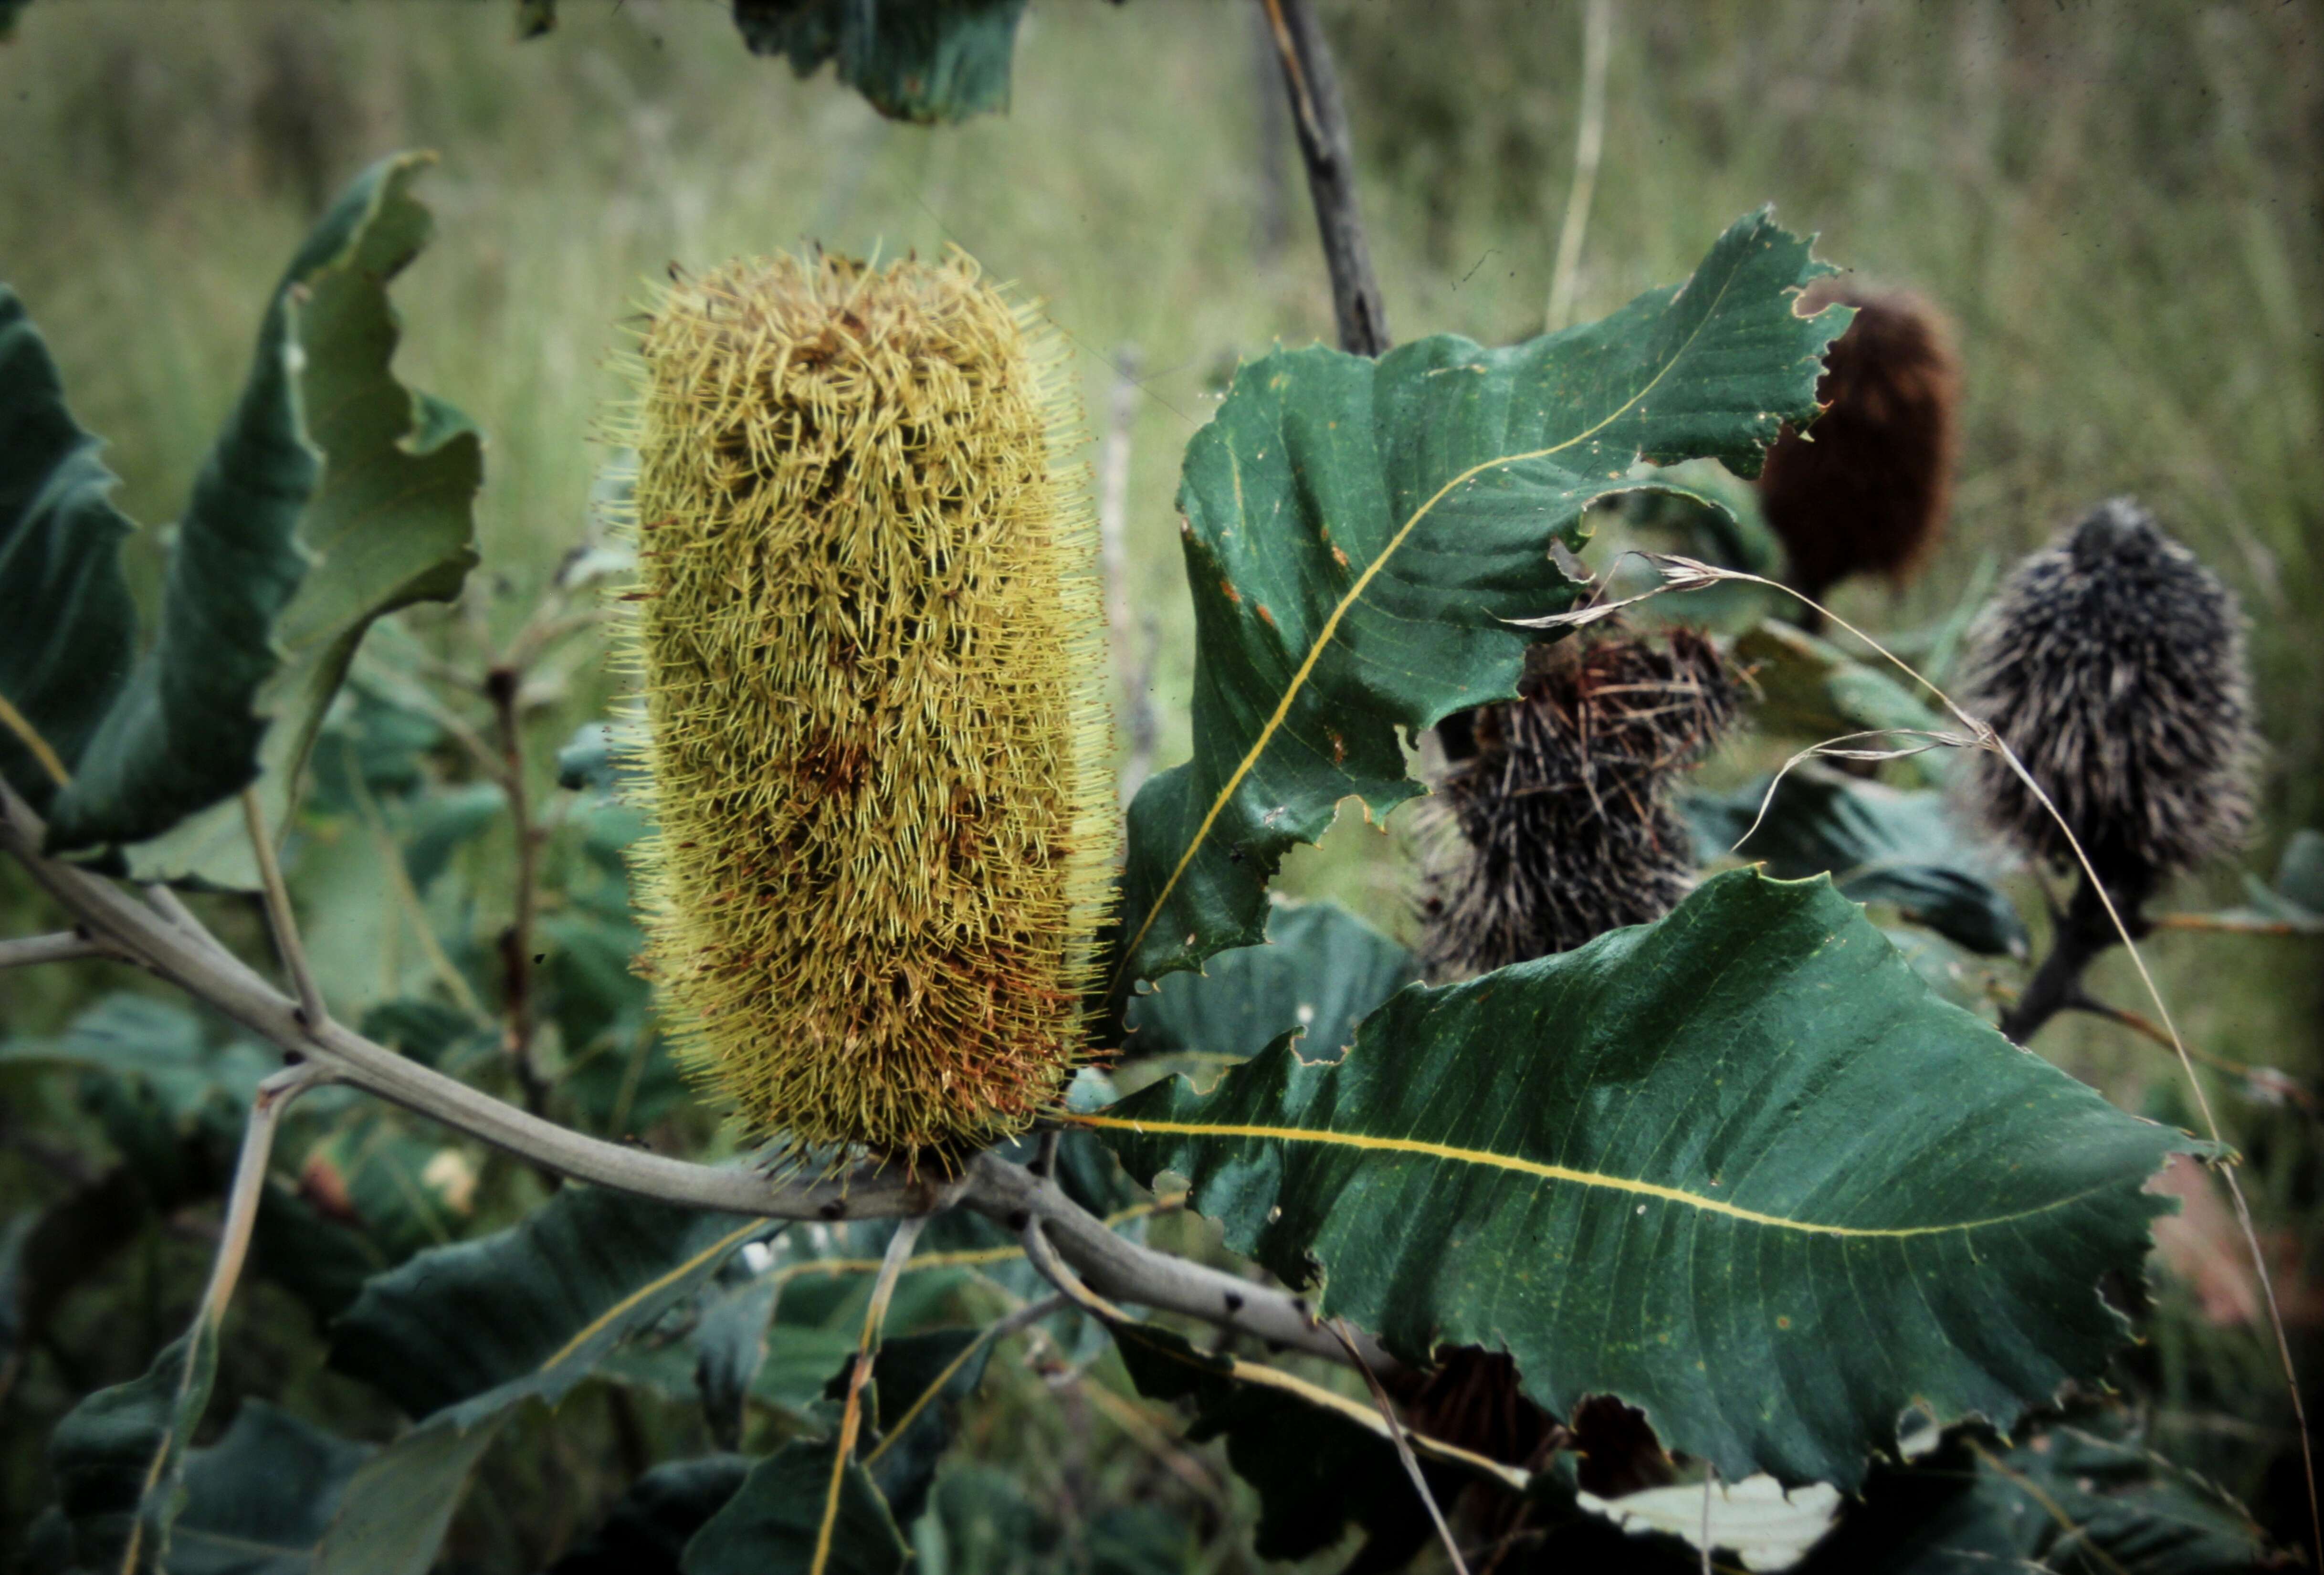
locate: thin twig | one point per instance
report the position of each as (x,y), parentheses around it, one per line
(64,946)
(279,916)
(501,687)
(2230,924)
(2266,1081)
(1323,127)
(1589,143)
(249,1184)
(1112,1267)
(1396,1433)
(851,1417)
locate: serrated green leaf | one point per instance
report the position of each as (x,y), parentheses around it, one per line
(925,61)
(1321,969)
(1738,1167)
(390,522)
(647,1529)
(1356,532)
(258,1500)
(119,1457)
(67,626)
(332,496)
(772,1524)
(1878,844)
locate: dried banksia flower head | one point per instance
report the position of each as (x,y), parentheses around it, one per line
(870,628)
(1557,825)
(1865,490)
(2113,663)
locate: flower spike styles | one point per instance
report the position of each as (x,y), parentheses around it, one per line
(868,622)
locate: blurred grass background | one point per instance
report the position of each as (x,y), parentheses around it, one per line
(2122,205)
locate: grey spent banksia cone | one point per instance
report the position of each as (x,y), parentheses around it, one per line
(1560,826)
(2112,662)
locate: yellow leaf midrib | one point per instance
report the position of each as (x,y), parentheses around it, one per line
(1514,1165)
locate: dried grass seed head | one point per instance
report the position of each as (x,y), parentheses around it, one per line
(869,626)
(2112,661)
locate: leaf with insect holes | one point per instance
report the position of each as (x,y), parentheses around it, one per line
(1357,534)
(1738,1168)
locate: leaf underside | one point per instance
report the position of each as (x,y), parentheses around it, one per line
(1739,1168)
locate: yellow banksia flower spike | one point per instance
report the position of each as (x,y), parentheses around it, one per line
(870,625)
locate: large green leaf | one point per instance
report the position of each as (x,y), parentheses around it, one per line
(1356,532)
(68,627)
(119,1457)
(464,1334)
(390,524)
(528,1311)
(2074,1500)
(1738,1168)
(1321,969)
(1878,844)
(258,1500)
(915,60)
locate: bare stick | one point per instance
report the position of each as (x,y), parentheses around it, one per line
(1323,127)
(851,1418)
(279,916)
(64,946)
(249,1184)
(501,687)
(189,957)
(1117,1269)
(1589,143)
(194,960)
(1396,1433)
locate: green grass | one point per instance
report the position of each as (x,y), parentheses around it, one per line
(2121,206)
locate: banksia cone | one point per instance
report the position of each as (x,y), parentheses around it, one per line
(1865,490)
(2113,663)
(874,679)
(1559,826)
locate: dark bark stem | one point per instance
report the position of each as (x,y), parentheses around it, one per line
(1322,128)
(2081,935)
(501,687)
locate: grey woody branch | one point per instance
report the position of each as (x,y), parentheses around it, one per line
(162,936)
